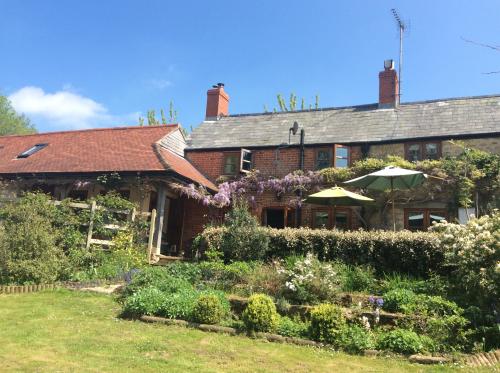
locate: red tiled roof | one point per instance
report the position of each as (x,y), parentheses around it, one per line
(96,150)
(182,166)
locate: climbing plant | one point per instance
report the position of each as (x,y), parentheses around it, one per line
(474,174)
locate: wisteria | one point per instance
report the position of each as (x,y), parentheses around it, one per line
(254,184)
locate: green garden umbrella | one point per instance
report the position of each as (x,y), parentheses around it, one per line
(390,177)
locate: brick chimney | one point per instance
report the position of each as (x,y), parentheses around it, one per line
(217,102)
(388,86)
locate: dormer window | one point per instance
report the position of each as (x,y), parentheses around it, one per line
(32,150)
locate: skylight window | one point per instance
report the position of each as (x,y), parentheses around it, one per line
(32,150)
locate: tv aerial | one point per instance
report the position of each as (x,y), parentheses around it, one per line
(402,26)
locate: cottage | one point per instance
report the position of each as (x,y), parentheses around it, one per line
(143,163)
(227,146)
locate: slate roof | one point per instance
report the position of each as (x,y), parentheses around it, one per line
(365,123)
(119,149)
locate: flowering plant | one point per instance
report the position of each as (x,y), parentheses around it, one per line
(473,251)
(376,304)
(254,184)
(310,280)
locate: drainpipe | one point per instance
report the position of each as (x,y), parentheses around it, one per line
(298,217)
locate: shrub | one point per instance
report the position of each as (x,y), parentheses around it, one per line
(488,336)
(449,332)
(190,272)
(356,278)
(328,323)
(260,314)
(292,328)
(265,278)
(438,306)
(224,276)
(122,257)
(415,253)
(473,252)
(311,281)
(146,301)
(401,341)
(394,281)
(209,309)
(179,304)
(356,339)
(398,300)
(30,250)
(406,301)
(156,277)
(243,238)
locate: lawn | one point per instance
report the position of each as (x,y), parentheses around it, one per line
(65,331)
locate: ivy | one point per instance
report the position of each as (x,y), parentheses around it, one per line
(473,173)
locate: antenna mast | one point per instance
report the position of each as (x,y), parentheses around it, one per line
(402,28)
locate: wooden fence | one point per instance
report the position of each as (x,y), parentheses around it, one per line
(130,216)
(17,289)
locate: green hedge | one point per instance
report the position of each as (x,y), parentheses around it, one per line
(414,253)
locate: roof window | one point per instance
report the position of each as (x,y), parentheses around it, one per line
(32,150)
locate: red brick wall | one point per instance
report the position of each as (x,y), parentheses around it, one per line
(270,162)
(196,216)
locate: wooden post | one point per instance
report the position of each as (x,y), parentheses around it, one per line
(152,224)
(160,209)
(91,223)
(133,213)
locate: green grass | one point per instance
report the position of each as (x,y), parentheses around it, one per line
(64,331)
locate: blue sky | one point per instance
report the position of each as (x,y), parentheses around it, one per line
(79,64)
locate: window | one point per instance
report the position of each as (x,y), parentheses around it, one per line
(333,217)
(246,160)
(32,150)
(323,158)
(231,162)
(341,156)
(278,217)
(341,220)
(421,219)
(235,162)
(422,150)
(321,219)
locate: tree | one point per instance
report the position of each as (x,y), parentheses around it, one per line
(12,123)
(153,121)
(292,104)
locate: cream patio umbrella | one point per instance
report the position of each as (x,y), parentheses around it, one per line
(337,196)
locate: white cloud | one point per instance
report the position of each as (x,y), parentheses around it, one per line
(64,109)
(160,83)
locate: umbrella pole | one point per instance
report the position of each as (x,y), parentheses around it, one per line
(392,195)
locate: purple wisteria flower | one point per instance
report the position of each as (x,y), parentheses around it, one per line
(254,183)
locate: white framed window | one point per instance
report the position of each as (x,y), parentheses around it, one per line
(245,160)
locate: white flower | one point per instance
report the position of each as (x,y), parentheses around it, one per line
(365,322)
